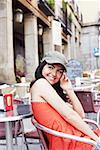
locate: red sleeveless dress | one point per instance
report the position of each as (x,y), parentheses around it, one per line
(49,117)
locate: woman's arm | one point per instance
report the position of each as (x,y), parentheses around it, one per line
(76,103)
(43,89)
(67,87)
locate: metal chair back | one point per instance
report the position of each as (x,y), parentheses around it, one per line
(42,129)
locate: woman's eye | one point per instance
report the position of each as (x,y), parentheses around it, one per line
(50,67)
(60,71)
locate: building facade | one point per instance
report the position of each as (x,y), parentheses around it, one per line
(90,46)
(90,39)
(29,28)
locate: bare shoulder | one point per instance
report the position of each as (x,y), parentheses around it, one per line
(40,83)
(39,88)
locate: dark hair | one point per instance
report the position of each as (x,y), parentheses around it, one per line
(38,72)
(38,75)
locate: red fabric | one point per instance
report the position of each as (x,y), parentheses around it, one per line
(47,116)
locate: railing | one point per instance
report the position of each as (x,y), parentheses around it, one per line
(51,4)
(65,20)
(62,16)
(69,22)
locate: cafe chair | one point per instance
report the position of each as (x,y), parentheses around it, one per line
(22,89)
(21,131)
(89,103)
(31,137)
(38,139)
(92,123)
(42,129)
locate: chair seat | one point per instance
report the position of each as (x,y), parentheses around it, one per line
(32,134)
(17,101)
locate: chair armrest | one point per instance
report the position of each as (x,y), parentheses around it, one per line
(92,122)
(98,117)
(61,134)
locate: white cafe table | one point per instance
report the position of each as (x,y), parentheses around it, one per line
(83,87)
(20,111)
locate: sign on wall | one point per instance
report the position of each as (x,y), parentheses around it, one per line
(56,32)
(96,51)
(74,69)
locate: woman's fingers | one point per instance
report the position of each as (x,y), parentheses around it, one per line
(64,78)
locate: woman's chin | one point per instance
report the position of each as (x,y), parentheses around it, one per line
(51,82)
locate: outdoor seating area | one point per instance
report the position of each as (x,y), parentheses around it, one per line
(88,94)
(49,74)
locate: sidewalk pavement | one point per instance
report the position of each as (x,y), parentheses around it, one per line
(20,146)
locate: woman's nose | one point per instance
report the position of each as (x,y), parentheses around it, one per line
(54,73)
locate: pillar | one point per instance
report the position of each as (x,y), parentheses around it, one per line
(6,43)
(31,46)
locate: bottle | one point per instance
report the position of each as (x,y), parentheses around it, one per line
(8,101)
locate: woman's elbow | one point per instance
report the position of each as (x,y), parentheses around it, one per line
(72,115)
(81,113)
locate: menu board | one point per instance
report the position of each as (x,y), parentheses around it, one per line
(74,69)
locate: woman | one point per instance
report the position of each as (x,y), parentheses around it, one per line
(53,109)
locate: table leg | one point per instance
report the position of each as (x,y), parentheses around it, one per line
(9,136)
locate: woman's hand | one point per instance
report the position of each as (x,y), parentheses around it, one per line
(65,82)
(66,85)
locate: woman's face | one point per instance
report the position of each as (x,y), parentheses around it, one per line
(52,72)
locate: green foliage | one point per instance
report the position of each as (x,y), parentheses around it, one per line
(51,3)
(70,17)
(64,5)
